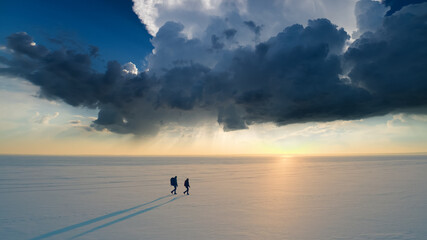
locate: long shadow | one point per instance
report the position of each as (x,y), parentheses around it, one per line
(124,218)
(78,225)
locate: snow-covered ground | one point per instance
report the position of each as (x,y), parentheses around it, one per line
(231,198)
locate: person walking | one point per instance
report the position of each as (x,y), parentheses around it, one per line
(187,185)
(174,183)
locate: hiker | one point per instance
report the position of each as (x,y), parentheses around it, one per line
(174,183)
(187,185)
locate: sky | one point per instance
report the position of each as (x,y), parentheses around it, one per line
(213,77)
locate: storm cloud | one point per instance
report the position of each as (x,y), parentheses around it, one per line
(300,74)
(390,63)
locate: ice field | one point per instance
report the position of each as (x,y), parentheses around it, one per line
(128,198)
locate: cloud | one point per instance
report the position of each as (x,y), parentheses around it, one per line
(75,122)
(421,118)
(230,33)
(78,124)
(255,28)
(369,16)
(301,73)
(130,69)
(292,77)
(273,15)
(390,63)
(397,119)
(44,119)
(192,13)
(22,44)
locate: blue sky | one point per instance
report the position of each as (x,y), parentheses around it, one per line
(110,25)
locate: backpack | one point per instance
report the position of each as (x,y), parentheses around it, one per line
(173,182)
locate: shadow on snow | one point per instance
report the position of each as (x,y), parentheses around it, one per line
(124,218)
(97,219)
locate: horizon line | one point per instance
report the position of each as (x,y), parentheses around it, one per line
(224,155)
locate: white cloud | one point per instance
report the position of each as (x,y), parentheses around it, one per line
(396,120)
(155,13)
(130,68)
(369,15)
(274,15)
(419,117)
(44,119)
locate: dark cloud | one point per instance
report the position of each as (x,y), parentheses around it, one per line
(230,33)
(390,63)
(254,28)
(68,76)
(292,77)
(216,42)
(58,73)
(230,119)
(23,45)
(396,5)
(299,75)
(182,87)
(75,122)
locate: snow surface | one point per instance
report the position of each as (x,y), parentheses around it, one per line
(381,197)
